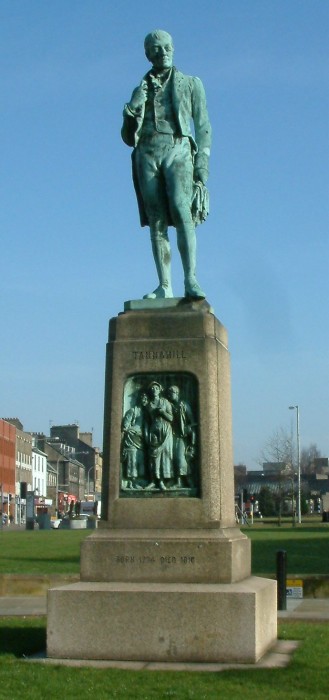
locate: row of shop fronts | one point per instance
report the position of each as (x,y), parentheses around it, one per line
(18,510)
(45,475)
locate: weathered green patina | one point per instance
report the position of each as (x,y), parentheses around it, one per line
(159,443)
(170,163)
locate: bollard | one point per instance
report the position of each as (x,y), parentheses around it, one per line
(281,577)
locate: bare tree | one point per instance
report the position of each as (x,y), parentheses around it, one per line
(307,457)
(279,450)
(278,459)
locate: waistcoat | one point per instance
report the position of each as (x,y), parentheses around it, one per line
(159,114)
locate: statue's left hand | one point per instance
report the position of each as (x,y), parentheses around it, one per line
(201,175)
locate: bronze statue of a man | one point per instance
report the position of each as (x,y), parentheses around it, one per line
(169,161)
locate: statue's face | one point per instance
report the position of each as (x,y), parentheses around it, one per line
(173,393)
(155,390)
(160,52)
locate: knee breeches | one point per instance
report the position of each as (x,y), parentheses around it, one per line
(164,167)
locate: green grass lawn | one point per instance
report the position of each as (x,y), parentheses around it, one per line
(58,551)
(41,552)
(305,677)
(307,548)
(46,552)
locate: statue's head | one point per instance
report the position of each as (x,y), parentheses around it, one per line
(159,49)
(173,393)
(155,388)
(142,398)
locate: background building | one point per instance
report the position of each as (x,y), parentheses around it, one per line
(7,467)
(39,472)
(23,470)
(90,456)
(74,466)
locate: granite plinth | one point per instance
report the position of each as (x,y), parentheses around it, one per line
(166,577)
(164,622)
(172,341)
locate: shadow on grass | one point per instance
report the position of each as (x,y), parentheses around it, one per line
(22,638)
(61,559)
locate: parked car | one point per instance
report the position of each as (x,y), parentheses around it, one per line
(67,520)
(55,523)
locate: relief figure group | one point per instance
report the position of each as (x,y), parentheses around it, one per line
(158,441)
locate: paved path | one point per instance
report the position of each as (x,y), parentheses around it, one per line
(23,605)
(316,609)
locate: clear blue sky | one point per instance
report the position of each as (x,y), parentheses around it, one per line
(72,250)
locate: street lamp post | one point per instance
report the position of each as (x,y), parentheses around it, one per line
(74,454)
(293,513)
(55,471)
(57,479)
(66,457)
(299,510)
(88,481)
(63,457)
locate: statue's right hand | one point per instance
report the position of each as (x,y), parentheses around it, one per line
(138,97)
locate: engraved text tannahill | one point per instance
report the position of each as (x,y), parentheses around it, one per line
(159,355)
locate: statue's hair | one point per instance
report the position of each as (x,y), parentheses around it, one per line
(157,384)
(157,34)
(173,386)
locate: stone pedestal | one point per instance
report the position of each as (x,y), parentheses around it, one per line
(168,573)
(164,621)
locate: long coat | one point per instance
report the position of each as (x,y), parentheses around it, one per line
(189,104)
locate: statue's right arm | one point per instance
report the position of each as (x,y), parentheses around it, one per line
(133,113)
(127,419)
(138,98)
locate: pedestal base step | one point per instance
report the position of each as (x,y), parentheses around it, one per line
(229,623)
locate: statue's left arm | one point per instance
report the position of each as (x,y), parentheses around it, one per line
(202,129)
